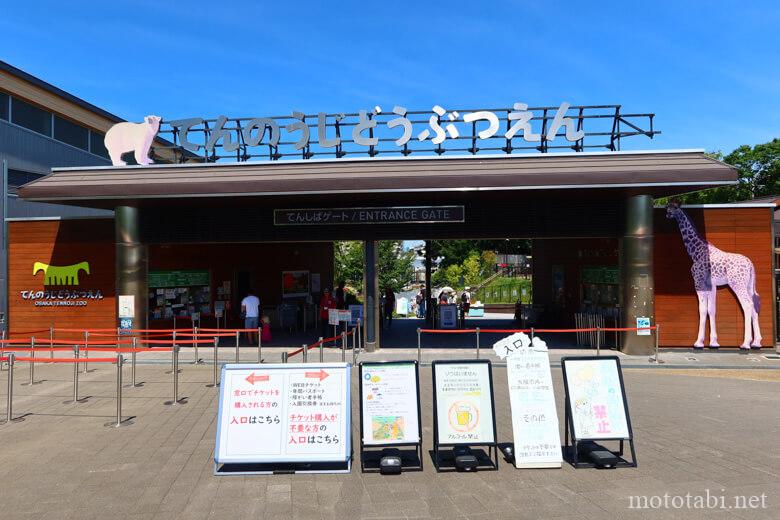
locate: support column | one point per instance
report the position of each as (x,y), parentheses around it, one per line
(131,262)
(637,273)
(370,307)
(428,285)
(4,250)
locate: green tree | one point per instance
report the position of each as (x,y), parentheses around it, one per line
(395,266)
(348,263)
(758,175)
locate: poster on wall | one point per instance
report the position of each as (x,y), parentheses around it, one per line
(390,403)
(284,413)
(295,284)
(597,404)
(126,306)
(448,316)
(356,313)
(643,323)
(463,402)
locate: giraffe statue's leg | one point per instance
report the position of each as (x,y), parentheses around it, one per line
(702,295)
(756,331)
(712,309)
(747,310)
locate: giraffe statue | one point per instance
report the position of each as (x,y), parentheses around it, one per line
(712,268)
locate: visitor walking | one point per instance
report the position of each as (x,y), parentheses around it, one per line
(327,302)
(389,305)
(250,311)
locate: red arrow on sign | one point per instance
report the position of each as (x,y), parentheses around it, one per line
(317,375)
(252,378)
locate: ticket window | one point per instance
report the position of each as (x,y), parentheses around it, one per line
(178,294)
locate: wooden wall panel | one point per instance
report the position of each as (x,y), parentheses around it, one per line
(61,243)
(747,231)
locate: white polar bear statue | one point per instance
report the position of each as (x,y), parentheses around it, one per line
(132,137)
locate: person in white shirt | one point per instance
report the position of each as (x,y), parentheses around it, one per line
(250,310)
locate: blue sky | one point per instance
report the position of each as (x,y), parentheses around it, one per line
(709,70)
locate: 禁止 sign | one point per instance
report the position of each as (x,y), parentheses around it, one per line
(390,403)
(284,413)
(463,402)
(597,404)
(644,324)
(378,215)
(537,442)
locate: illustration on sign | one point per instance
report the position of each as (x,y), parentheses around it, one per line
(596,399)
(390,412)
(284,413)
(60,275)
(712,268)
(643,322)
(464,403)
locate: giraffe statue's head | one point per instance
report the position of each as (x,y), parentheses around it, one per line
(673,209)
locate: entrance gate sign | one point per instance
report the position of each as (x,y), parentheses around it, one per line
(381,215)
(402,132)
(390,407)
(537,443)
(284,413)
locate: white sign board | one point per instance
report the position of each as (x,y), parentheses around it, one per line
(595,398)
(356,312)
(345,315)
(284,413)
(390,403)
(643,323)
(126,306)
(402,306)
(463,397)
(333,316)
(448,316)
(534,416)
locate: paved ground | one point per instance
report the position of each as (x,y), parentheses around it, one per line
(694,433)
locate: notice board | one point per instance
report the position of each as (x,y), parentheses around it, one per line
(537,441)
(390,403)
(463,402)
(284,413)
(596,398)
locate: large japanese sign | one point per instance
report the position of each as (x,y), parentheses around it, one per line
(284,413)
(595,397)
(463,402)
(378,131)
(382,215)
(61,276)
(389,403)
(537,443)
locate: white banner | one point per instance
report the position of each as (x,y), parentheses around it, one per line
(284,413)
(534,416)
(390,403)
(333,316)
(595,398)
(464,402)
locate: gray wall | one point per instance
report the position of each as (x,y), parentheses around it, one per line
(26,150)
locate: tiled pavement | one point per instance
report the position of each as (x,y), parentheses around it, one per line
(693,434)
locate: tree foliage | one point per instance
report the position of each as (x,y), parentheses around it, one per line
(759,175)
(395,266)
(455,252)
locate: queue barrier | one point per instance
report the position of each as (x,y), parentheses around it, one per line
(532,331)
(325,343)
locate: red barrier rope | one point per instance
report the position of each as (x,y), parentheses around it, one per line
(172,342)
(105,349)
(31,349)
(510,331)
(65,360)
(453,331)
(28,332)
(503,331)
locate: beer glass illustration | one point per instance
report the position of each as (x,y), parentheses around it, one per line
(463,416)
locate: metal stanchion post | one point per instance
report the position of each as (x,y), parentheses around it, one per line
(119,422)
(343,346)
(419,353)
(598,341)
(657,357)
(86,350)
(31,363)
(260,344)
(51,342)
(305,352)
(176,400)
(477,342)
(76,374)
(359,335)
(284,357)
(214,383)
(321,350)
(132,360)
(195,345)
(238,340)
(354,346)
(9,410)
(532,335)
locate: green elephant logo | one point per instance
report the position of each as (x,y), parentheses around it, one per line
(60,275)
